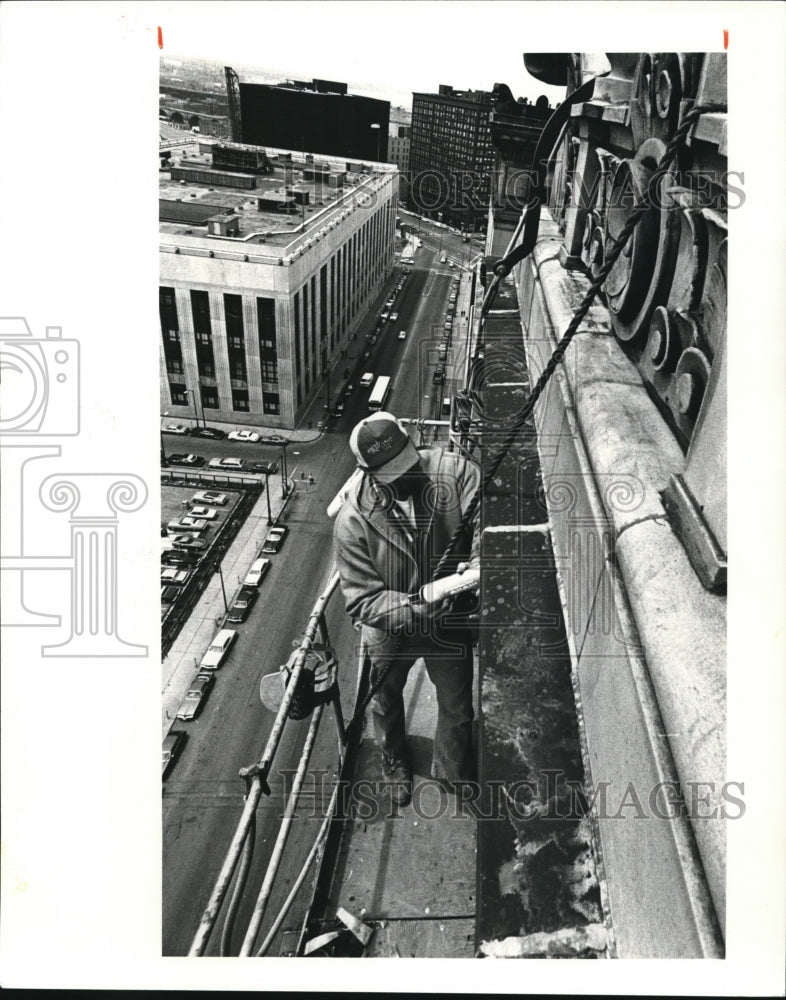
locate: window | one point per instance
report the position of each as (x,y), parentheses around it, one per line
(178,394)
(270,402)
(167,310)
(174,366)
(200,310)
(268,348)
(209,397)
(237,366)
(233,314)
(240,400)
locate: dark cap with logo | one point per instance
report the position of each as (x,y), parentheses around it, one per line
(381,445)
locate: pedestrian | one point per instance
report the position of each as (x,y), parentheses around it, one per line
(401,509)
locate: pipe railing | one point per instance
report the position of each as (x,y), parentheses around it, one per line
(315,637)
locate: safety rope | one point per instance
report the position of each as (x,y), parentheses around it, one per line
(502,268)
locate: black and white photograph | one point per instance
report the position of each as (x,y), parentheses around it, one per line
(413,477)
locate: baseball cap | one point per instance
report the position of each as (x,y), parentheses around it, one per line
(381,445)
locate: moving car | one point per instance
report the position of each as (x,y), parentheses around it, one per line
(195,696)
(393,317)
(402,335)
(211,497)
(174,429)
(208,432)
(275,538)
(189,460)
(227,463)
(243,436)
(339,409)
(170,750)
(442,259)
(439,376)
(203,513)
(349,390)
(244,602)
(367,379)
(257,573)
(218,649)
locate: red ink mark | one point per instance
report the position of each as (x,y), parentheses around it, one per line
(161,37)
(725,38)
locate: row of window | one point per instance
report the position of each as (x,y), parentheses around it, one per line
(209,398)
(340,288)
(235,335)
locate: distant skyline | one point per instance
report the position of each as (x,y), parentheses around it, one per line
(384,48)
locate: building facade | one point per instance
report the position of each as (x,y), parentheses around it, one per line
(451,155)
(262,291)
(320,118)
(398,150)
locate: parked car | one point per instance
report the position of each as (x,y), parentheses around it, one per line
(257,572)
(275,538)
(187,523)
(208,432)
(439,376)
(211,497)
(402,335)
(169,593)
(179,557)
(189,460)
(187,541)
(227,463)
(174,429)
(393,317)
(218,649)
(171,749)
(244,602)
(174,576)
(251,436)
(442,259)
(203,513)
(274,439)
(193,699)
(266,468)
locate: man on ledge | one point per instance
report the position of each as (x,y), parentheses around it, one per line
(399,512)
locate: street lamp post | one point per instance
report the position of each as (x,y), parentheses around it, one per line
(267,492)
(196,411)
(161,435)
(223,591)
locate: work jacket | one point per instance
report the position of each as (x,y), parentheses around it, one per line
(383,561)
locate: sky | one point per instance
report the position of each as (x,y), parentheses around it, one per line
(385,49)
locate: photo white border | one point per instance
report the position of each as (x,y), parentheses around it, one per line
(80,773)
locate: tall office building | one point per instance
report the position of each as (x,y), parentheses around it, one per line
(450,156)
(318,117)
(268,263)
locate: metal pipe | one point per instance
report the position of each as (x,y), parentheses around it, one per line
(281,839)
(303,872)
(221,886)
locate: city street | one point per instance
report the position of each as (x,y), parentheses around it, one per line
(203,795)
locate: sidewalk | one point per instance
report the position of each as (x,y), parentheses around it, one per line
(182,660)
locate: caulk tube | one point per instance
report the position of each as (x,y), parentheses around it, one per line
(448,586)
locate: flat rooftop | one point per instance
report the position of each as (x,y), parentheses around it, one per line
(276,229)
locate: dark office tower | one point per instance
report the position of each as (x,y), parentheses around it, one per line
(317,117)
(450,155)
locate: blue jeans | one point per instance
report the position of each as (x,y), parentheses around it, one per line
(448,660)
